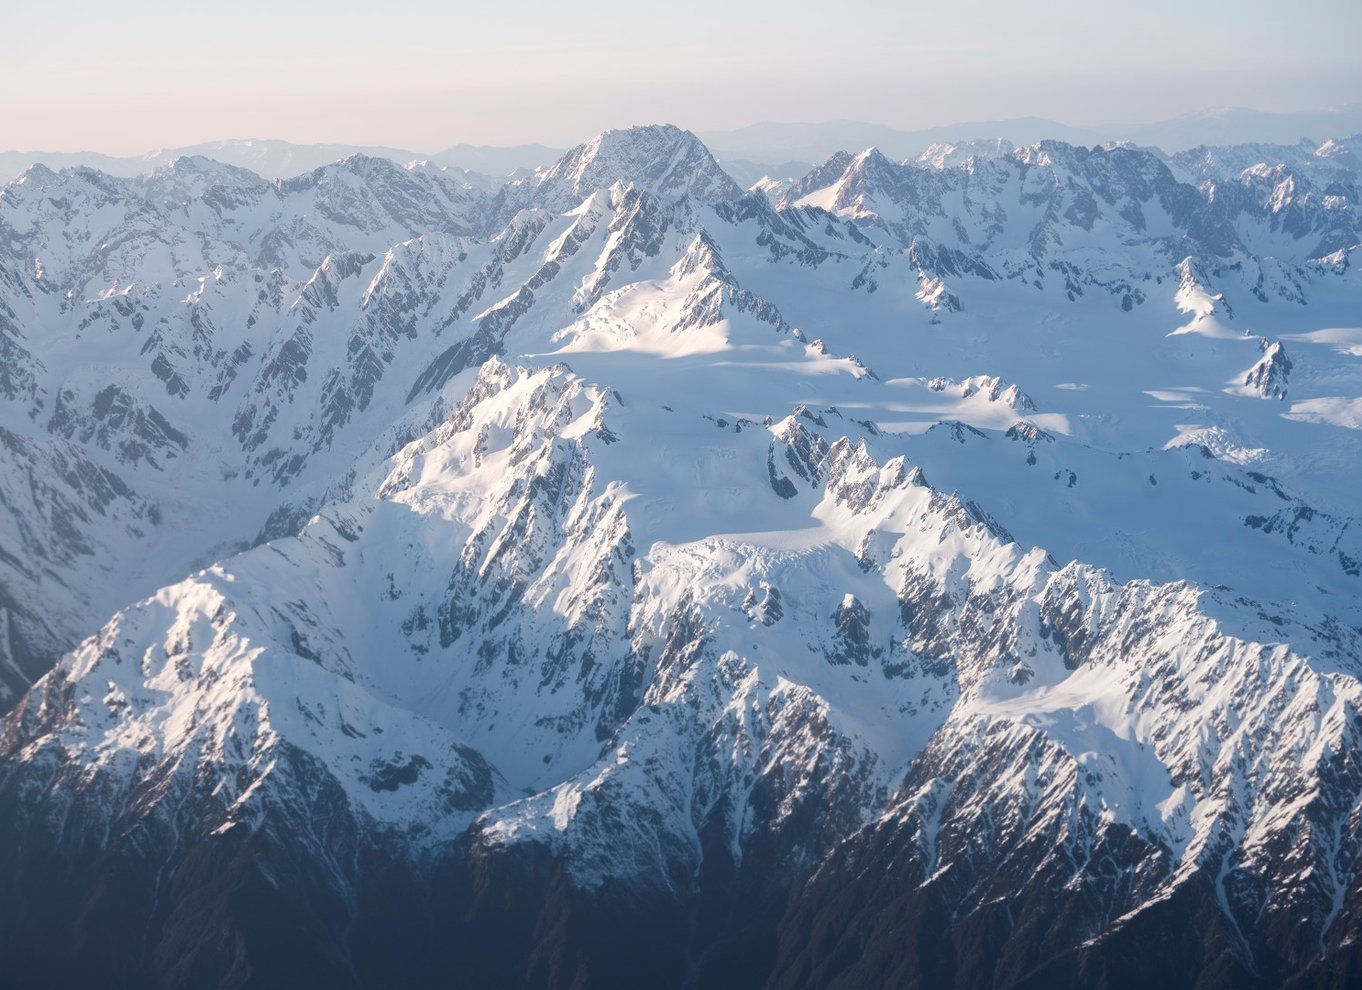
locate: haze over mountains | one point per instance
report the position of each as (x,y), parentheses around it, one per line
(779,150)
(1225,125)
(274,158)
(938,569)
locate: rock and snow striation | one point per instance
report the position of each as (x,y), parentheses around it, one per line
(637,581)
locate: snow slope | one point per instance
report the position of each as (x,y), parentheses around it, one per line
(980,520)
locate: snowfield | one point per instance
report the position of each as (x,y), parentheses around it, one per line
(919,555)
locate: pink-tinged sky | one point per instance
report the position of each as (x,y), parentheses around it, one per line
(128,77)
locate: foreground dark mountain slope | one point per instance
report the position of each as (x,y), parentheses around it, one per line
(946,575)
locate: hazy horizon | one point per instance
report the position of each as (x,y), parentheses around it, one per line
(166,76)
(571,142)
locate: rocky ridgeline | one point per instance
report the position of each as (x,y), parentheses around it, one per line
(501,583)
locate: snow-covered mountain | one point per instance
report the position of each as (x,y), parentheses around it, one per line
(818,141)
(1241,125)
(1220,126)
(932,572)
(273,158)
(1323,163)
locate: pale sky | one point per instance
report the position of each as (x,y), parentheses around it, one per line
(127,77)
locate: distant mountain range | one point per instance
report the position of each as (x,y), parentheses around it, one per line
(1229,125)
(778,150)
(273,159)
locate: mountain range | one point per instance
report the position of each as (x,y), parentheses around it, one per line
(274,158)
(815,142)
(929,571)
(778,150)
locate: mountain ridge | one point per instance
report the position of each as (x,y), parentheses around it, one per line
(759,145)
(633,577)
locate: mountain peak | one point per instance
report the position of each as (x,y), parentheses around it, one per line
(367,165)
(36,174)
(873,156)
(185,166)
(661,158)
(871,160)
(366,169)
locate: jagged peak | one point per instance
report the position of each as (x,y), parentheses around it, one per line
(359,166)
(1191,271)
(702,254)
(1040,154)
(991,387)
(36,174)
(1051,153)
(963,154)
(1340,152)
(869,168)
(191,176)
(839,162)
(661,158)
(39,176)
(185,164)
(366,165)
(1270,375)
(871,157)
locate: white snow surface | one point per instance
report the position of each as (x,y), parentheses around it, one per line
(583,511)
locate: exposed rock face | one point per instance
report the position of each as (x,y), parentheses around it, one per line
(402,582)
(1270,375)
